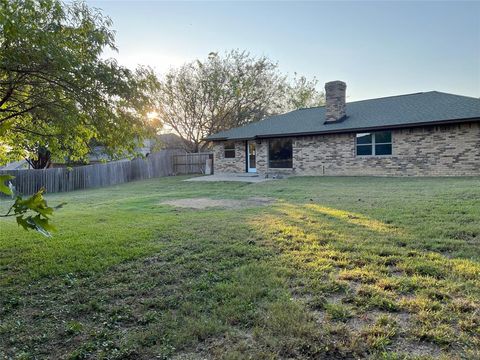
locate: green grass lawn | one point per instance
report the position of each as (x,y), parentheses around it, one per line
(383,268)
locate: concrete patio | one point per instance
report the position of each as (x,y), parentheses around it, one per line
(251,178)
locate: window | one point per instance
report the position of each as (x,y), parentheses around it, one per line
(280,153)
(364,144)
(376,143)
(383,143)
(229,149)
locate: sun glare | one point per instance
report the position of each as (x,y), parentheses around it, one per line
(152,115)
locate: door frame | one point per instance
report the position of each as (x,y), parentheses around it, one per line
(249,169)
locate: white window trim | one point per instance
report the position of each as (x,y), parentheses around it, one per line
(372,144)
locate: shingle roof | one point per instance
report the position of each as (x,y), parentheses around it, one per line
(395,111)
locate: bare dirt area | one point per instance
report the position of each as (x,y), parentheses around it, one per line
(205,203)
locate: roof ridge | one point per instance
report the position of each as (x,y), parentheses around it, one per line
(463,96)
(383,97)
(308,108)
(372,99)
(392,96)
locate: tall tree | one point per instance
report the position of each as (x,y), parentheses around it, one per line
(57,94)
(203,97)
(230,90)
(303,93)
(56,91)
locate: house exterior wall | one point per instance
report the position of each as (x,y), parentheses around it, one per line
(447,150)
(229,165)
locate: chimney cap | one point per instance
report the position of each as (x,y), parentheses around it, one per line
(336,83)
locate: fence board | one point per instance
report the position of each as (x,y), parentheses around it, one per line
(97,175)
(190,163)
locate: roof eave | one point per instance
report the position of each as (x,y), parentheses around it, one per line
(343,131)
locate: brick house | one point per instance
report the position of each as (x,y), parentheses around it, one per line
(422,134)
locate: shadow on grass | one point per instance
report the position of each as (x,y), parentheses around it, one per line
(345,263)
(291,281)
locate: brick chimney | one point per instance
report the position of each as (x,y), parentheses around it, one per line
(335,101)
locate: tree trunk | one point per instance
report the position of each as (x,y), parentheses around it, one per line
(43,159)
(196,147)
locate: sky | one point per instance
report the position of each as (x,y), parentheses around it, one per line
(381,48)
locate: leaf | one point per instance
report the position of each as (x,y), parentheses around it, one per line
(43,226)
(23,223)
(36,204)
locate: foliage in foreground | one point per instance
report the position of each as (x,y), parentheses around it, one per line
(21,209)
(336,268)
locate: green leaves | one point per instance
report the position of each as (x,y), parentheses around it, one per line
(57,92)
(23,209)
(36,204)
(36,223)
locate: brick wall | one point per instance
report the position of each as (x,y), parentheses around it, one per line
(449,150)
(229,165)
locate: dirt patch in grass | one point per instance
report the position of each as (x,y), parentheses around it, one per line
(416,349)
(205,203)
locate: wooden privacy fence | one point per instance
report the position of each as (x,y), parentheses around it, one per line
(91,176)
(192,163)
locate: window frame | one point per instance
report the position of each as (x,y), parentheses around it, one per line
(268,149)
(231,149)
(374,143)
